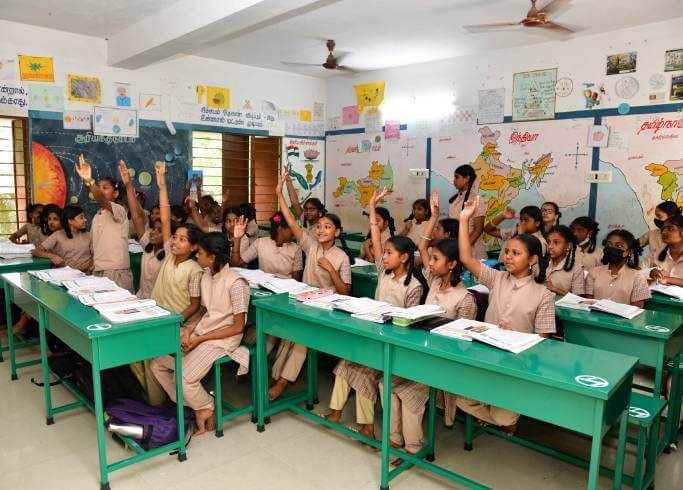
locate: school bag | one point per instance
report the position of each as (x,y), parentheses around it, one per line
(159,424)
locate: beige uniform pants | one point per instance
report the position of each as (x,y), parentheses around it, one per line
(289,360)
(405,426)
(196,364)
(142,370)
(487,413)
(365,408)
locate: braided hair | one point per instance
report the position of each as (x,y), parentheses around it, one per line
(405,245)
(632,242)
(566,233)
(277,221)
(676,221)
(337,224)
(670,208)
(465,171)
(589,224)
(218,245)
(318,205)
(533,247)
(424,204)
(386,216)
(449,247)
(161,254)
(450,226)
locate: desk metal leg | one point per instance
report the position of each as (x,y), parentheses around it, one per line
(675,399)
(386,417)
(659,372)
(596,446)
(99,417)
(312,381)
(621,449)
(42,325)
(261,373)
(10,336)
(179,402)
(431,424)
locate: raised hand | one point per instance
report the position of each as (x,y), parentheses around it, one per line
(83,168)
(434,202)
(280,180)
(123,172)
(160,170)
(509,213)
(470,208)
(377,197)
(240,227)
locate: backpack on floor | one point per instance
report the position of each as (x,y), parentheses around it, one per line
(159,424)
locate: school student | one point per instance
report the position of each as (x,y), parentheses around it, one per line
(387,229)
(313,209)
(399,283)
(31,229)
(667,265)
(178,284)
(136,200)
(249,212)
(225,302)
(446,228)
(550,212)
(518,300)
(109,229)
(653,238)
(619,279)
(588,253)
(415,224)
(148,228)
(326,266)
(205,222)
(465,182)
(178,214)
(530,223)
(70,245)
(564,274)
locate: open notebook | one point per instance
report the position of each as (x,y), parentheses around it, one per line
(488,333)
(605,305)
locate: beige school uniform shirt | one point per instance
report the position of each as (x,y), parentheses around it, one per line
(33,233)
(572,281)
(315,275)
(176,284)
(283,261)
(76,251)
(626,286)
(522,304)
(478,247)
(109,232)
(131,225)
(508,233)
(669,266)
(653,238)
(589,260)
(417,231)
(456,300)
(149,269)
(394,292)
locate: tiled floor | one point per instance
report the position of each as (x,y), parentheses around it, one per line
(292,453)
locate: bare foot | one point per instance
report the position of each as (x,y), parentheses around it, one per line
(20,326)
(334,416)
(271,382)
(368,430)
(277,389)
(204,421)
(509,430)
(398,461)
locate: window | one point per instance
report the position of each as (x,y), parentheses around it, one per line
(239,167)
(13,185)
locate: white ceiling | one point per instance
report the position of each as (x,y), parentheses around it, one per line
(375,33)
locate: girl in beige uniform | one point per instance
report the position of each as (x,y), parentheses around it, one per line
(588,253)
(530,222)
(309,213)
(225,302)
(619,279)
(653,238)
(465,181)
(70,246)
(31,229)
(666,266)
(415,224)
(550,212)
(327,266)
(109,229)
(564,274)
(387,229)
(518,300)
(400,284)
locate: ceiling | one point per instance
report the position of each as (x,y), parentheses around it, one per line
(375,33)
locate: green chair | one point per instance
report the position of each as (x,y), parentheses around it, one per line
(644,412)
(224,410)
(675,400)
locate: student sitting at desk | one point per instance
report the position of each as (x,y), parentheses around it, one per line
(518,300)
(619,279)
(387,229)
(530,223)
(327,266)
(31,229)
(401,284)
(653,238)
(414,225)
(225,302)
(564,274)
(588,253)
(666,266)
(70,245)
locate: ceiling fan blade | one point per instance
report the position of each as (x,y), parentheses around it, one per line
(555,7)
(484,27)
(291,63)
(558,28)
(347,69)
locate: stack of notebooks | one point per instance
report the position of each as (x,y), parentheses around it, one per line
(605,305)
(58,276)
(278,285)
(670,290)
(134,246)
(9,250)
(488,333)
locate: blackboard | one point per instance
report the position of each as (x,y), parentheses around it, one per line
(56,150)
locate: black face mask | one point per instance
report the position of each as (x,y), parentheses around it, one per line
(659,223)
(612,255)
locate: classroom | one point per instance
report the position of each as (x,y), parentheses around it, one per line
(341,244)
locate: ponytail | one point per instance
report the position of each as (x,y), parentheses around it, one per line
(337,224)
(449,247)
(589,224)
(465,171)
(566,233)
(386,216)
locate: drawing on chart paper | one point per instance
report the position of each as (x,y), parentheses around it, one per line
(84,89)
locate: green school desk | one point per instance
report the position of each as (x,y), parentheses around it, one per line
(104,345)
(364,281)
(653,337)
(664,303)
(135,267)
(572,386)
(18,265)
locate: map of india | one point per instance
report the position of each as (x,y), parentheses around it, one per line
(378,177)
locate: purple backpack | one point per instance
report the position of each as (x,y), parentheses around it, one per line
(159,424)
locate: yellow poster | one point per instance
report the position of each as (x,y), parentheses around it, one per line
(36,69)
(217,97)
(84,89)
(305,116)
(369,95)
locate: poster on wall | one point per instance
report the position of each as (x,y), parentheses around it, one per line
(676,87)
(533,95)
(84,89)
(45,98)
(622,63)
(77,120)
(369,95)
(304,160)
(13,99)
(122,94)
(491,106)
(8,69)
(115,121)
(674,60)
(36,69)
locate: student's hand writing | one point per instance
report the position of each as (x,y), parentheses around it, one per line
(83,168)
(434,202)
(325,264)
(123,172)
(469,208)
(508,213)
(240,227)
(656,274)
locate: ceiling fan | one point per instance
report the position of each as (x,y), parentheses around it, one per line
(535,17)
(331,63)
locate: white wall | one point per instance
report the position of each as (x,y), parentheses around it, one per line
(86,56)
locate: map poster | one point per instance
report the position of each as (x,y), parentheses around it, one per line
(533,95)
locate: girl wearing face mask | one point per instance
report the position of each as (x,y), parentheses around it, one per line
(588,253)
(653,238)
(667,266)
(619,279)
